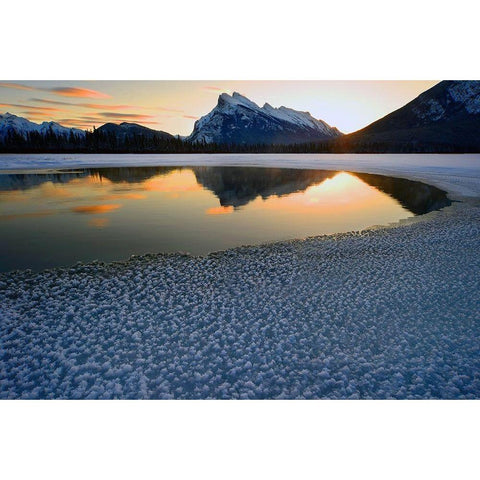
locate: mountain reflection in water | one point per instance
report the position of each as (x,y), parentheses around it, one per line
(60,217)
(235,186)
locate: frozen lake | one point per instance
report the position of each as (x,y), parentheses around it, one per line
(388,313)
(57,217)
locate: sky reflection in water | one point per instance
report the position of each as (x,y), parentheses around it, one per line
(58,218)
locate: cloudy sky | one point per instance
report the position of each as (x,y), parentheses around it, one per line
(173,106)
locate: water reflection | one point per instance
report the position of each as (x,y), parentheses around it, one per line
(417,197)
(99,222)
(233,186)
(95,209)
(58,218)
(237,187)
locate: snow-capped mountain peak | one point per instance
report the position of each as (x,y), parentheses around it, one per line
(236,99)
(10,123)
(237,119)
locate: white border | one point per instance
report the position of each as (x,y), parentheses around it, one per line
(207,39)
(238,440)
(248,40)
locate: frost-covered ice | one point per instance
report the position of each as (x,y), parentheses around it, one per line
(386,313)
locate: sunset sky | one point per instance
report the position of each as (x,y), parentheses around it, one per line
(173,106)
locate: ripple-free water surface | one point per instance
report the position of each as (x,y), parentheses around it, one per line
(50,219)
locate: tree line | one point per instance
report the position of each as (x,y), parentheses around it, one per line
(96,141)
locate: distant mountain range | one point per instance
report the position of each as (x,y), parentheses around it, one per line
(445,118)
(11,124)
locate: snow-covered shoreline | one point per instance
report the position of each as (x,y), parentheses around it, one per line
(458,174)
(386,313)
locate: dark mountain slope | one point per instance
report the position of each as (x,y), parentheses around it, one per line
(120,131)
(444,118)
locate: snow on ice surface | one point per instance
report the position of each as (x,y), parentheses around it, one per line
(385,313)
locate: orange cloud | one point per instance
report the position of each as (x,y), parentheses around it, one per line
(87,118)
(52,102)
(16,86)
(219,210)
(32,107)
(136,116)
(163,109)
(36,114)
(78,92)
(72,122)
(100,106)
(46,109)
(190,116)
(94,209)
